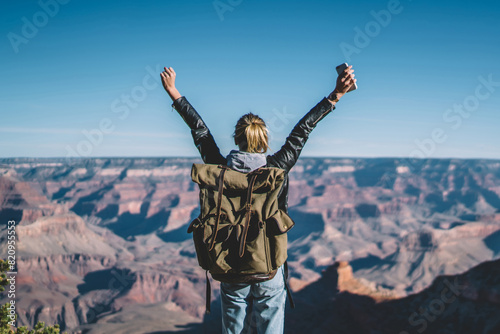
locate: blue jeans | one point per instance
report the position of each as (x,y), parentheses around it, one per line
(254,308)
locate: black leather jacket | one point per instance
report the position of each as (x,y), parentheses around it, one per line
(285,158)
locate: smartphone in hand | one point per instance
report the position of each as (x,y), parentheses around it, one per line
(342,67)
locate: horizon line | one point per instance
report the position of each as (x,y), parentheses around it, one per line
(302,157)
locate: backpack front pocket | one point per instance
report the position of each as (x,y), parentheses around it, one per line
(277,227)
(199,231)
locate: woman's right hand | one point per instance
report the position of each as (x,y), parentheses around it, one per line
(345,80)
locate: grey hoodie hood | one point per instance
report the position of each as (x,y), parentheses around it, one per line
(245,161)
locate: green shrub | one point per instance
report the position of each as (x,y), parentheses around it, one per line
(5,327)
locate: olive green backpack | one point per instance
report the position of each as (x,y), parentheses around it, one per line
(240,234)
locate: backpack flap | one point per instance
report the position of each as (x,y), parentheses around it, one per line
(279,223)
(206,175)
(195,223)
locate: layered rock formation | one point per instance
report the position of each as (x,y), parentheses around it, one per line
(464,303)
(103,240)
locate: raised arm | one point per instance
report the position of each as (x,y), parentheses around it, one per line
(289,153)
(202,137)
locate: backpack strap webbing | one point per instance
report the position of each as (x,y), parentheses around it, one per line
(289,294)
(219,204)
(208,294)
(248,213)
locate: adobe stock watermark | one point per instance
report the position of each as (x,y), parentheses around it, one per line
(430,312)
(121,106)
(279,120)
(223,6)
(364,36)
(454,116)
(30,28)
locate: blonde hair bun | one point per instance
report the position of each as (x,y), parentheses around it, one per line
(251,134)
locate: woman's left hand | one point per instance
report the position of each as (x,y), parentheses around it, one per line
(168,79)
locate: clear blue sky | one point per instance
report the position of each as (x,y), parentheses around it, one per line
(76,77)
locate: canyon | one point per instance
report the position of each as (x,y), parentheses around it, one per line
(102,244)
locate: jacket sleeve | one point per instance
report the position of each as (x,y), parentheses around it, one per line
(289,153)
(202,137)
